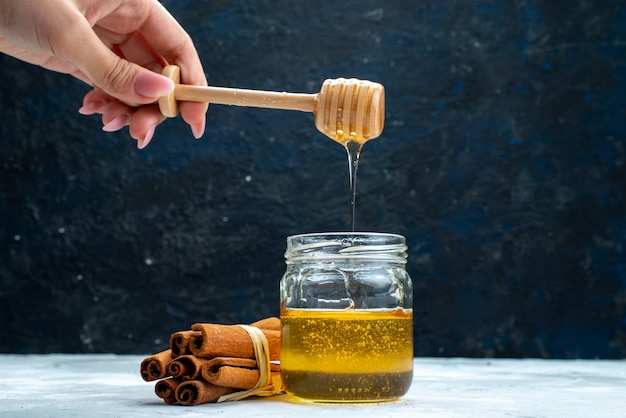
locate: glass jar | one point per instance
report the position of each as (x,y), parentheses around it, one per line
(347,317)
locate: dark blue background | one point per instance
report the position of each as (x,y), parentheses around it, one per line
(503,162)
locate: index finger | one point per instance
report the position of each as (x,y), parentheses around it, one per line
(171,41)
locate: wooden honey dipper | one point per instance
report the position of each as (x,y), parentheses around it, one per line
(345,109)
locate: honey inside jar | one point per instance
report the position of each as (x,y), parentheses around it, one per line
(347,355)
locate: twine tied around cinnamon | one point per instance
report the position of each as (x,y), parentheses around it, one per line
(267,384)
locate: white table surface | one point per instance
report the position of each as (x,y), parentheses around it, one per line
(110,386)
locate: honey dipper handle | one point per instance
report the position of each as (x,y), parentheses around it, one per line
(230,96)
(241,97)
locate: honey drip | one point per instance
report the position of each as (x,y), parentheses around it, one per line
(353,145)
(354,152)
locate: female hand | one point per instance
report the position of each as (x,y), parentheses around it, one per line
(117,46)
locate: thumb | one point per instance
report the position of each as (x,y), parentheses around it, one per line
(118,77)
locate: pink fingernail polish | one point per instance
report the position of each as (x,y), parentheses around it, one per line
(116,124)
(142,143)
(153,85)
(90,108)
(198,129)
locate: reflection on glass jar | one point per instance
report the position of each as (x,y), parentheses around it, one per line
(347,318)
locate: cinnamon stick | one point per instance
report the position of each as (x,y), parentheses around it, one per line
(230,341)
(154,367)
(241,373)
(196,392)
(271,323)
(234,377)
(179,342)
(166,389)
(187,367)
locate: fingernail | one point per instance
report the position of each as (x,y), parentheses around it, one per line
(116,124)
(90,108)
(153,85)
(198,129)
(142,143)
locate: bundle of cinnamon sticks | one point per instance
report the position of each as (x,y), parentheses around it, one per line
(215,363)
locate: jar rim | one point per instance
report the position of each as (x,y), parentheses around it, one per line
(348,233)
(346,245)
